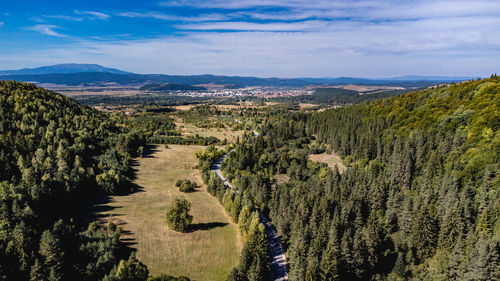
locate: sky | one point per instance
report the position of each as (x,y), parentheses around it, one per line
(264,38)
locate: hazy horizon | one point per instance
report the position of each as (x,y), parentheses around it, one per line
(262,38)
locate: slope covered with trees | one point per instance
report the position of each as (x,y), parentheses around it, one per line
(336,96)
(254,259)
(430,160)
(420,200)
(55,152)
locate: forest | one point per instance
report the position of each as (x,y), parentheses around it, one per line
(419,201)
(332,96)
(54,152)
(254,259)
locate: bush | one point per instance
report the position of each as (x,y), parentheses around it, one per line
(317,148)
(186,185)
(178,217)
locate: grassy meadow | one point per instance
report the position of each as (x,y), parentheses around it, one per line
(208,251)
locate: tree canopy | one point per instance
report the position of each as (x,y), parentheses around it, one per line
(177,216)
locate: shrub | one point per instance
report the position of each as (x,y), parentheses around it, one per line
(186,185)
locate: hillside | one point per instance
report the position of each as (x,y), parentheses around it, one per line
(337,96)
(430,163)
(54,153)
(420,198)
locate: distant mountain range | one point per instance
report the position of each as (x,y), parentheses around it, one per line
(63,68)
(428,78)
(354,80)
(97,75)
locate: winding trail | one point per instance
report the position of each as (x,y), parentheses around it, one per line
(278,258)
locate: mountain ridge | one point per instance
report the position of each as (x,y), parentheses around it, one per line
(93,74)
(63,68)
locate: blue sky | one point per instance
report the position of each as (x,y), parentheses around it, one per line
(279,38)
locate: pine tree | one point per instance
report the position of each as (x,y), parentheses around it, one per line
(50,250)
(36,272)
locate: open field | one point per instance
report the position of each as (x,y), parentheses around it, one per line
(228,107)
(331,159)
(366,89)
(185,107)
(187,129)
(207,252)
(96,91)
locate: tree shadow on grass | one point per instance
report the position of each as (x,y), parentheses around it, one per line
(205,226)
(97,208)
(149,150)
(130,241)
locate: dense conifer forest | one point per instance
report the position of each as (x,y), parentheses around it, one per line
(420,199)
(332,96)
(54,153)
(254,259)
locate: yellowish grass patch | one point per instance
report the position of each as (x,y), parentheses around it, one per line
(332,160)
(207,253)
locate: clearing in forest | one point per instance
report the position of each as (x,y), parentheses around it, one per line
(220,133)
(207,252)
(332,160)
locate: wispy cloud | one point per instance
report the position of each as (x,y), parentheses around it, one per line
(231,4)
(430,47)
(250,26)
(1,23)
(64,17)
(286,38)
(98,15)
(47,29)
(77,16)
(358,9)
(38,19)
(169,17)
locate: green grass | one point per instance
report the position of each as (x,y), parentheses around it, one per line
(207,253)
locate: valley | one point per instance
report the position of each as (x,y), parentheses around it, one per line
(266,140)
(279,191)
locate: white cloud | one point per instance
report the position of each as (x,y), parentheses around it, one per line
(370,38)
(98,15)
(357,9)
(1,23)
(64,17)
(346,49)
(168,17)
(47,29)
(250,26)
(82,15)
